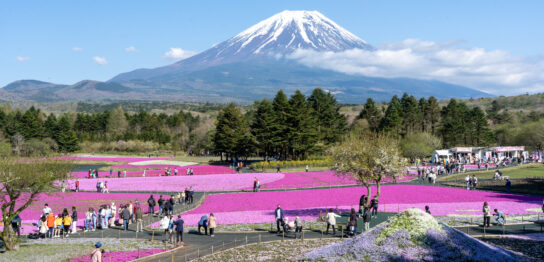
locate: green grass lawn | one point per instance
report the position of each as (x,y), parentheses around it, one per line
(523,171)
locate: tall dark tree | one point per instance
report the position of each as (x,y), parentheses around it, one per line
(423,110)
(432,114)
(282,109)
(31,125)
(50,125)
(330,124)
(372,115)
(392,120)
(65,136)
(232,134)
(479,128)
(452,130)
(410,114)
(302,130)
(263,127)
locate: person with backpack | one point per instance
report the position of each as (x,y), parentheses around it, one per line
(151,203)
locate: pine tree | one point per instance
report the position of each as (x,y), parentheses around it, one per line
(423,111)
(232,135)
(452,130)
(480,132)
(372,115)
(50,125)
(31,125)
(117,123)
(301,130)
(432,114)
(65,136)
(410,116)
(263,126)
(281,123)
(330,124)
(392,120)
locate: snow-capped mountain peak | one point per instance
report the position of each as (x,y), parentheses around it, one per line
(290,30)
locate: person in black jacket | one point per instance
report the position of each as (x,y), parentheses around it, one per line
(125,215)
(151,203)
(161,204)
(167,208)
(374,205)
(74,220)
(16,225)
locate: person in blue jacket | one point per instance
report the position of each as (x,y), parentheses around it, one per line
(179,231)
(203,223)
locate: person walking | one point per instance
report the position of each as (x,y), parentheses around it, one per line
(118,173)
(77,185)
(94,218)
(151,202)
(67,222)
(467,182)
(307,168)
(508,185)
(374,204)
(74,220)
(298,226)
(212,224)
(331,221)
(474,182)
(111,172)
(487,214)
(179,230)
(113,214)
(279,218)
(366,218)
(203,223)
(164,224)
(255,184)
(16,225)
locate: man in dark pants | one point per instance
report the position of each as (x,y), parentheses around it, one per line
(161,204)
(374,204)
(179,231)
(16,225)
(151,203)
(125,215)
(279,218)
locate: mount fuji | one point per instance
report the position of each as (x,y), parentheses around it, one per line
(254,64)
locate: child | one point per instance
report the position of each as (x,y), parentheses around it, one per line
(58,225)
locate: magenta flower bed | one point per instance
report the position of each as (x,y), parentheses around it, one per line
(121,256)
(219,182)
(114,159)
(82,201)
(315,179)
(234,208)
(156,170)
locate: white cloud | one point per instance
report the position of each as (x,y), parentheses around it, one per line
(131,49)
(100,60)
(77,49)
(22,58)
(493,71)
(176,54)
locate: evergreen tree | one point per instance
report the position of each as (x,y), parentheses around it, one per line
(329,123)
(50,125)
(117,123)
(423,111)
(263,126)
(410,114)
(392,120)
(452,130)
(301,130)
(232,135)
(480,132)
(372,115)
(281,123)
(432,114)
(65,136)
(31,124)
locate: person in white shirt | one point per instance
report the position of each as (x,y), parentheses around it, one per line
(331,221)
(113,213)
(47,209)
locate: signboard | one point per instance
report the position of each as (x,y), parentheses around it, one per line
(462,149)
(508,148)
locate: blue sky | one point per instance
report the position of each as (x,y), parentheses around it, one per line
(67,41)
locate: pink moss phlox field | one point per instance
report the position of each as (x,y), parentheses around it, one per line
(231,208)
(156,170)
(113,159)
(219,182)
(315,179)
(120,256)
(82,201)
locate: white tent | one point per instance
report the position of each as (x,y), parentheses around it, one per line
(438,154)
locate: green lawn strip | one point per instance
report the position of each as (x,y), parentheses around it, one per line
(287,250)
(523,171)
(68,248)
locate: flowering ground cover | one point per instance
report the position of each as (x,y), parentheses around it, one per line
(113,158)
(82,201)
(59,249)
(240,208)
(412,235)
(315,179)
(121,256)
(158,170)
(219,182)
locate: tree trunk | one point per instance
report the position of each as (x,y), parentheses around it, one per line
(10,239)
(369,192)
(378,191)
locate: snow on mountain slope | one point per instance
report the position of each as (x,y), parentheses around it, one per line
(280,34)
